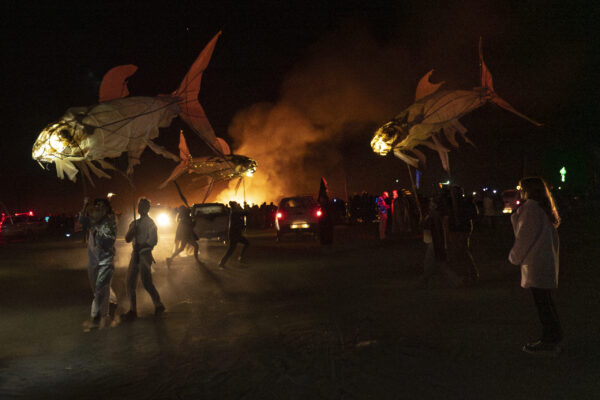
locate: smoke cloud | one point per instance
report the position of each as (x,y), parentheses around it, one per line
(347,84)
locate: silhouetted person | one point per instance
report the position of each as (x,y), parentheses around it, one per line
(184,235)
(144,235)
(236,228)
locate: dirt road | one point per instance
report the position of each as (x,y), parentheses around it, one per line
(299,322)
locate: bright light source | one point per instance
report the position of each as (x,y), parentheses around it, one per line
(518,202)
(110,194)
(319,213)
(279,215)
(163,219)
(563,173)
(30,213)
(249,172)
(494,191)
(67,234)
(474,193)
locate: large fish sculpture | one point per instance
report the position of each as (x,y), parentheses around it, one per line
(216,168)
(436,112)
(119,124)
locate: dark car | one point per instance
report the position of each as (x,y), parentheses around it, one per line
(22,225)
(296,215)
(211,220)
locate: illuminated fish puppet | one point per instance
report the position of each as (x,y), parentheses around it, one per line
(433,114)
(223,167)
(118,124)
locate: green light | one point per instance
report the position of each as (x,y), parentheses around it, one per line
(563,173)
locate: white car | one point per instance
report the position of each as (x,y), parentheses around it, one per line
(296,215)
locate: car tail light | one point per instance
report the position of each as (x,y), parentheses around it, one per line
(319,213)
(279,215)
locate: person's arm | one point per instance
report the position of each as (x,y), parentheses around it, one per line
(527,228)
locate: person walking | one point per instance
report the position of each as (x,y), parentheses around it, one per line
(236,227)
(102,231)
(535,249)
(144,235)
(184,235)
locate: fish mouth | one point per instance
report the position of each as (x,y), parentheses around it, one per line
(57,142)
(383,141)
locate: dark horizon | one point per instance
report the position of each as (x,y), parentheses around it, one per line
(543,60)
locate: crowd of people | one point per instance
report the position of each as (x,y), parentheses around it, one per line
(445,221)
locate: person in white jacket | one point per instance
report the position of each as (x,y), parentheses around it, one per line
(536,251)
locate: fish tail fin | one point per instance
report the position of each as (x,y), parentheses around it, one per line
(184,164)
(487,82)
(191,110)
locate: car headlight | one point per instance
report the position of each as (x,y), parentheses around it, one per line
(163,220)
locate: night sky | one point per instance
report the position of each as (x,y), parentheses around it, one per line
(340,68)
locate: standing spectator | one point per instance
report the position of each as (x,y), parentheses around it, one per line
(434,237)
(101,253)
(461,212)
(144,235)
(384,209)
(536,251)
(236,228)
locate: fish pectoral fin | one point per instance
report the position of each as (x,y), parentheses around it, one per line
(161,150)
(66,166)
(85,171)
(406,158)
(97,171)
(179,170)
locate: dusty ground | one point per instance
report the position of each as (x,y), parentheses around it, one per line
(300,321)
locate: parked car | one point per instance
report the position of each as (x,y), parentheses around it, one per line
(512,200)
(296,215)
(22,225)
(211,220)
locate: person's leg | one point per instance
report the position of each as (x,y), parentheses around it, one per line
(146,275)
(194,244)
(132,274)
(102,296)
(92,276)
(246,243)
(551,328)
(232,243)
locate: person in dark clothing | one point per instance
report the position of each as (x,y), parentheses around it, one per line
(184,235)
(236,228)
(326,217)
(434,237)
(461,212)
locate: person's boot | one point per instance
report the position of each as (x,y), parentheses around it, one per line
(159,310)
(129,316)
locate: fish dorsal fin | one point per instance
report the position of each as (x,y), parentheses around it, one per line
(114,83)
(223,146)
(425,87)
